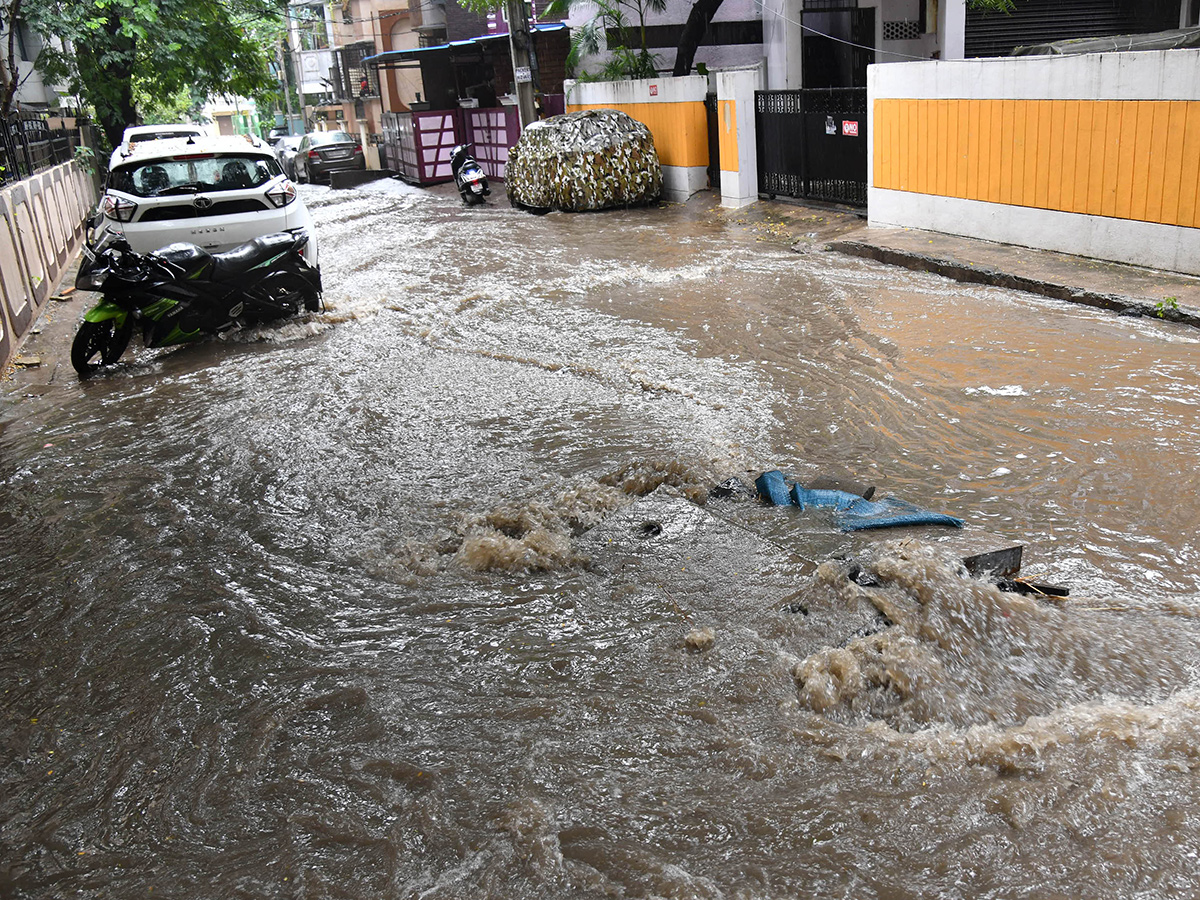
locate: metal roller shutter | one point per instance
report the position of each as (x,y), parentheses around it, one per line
(1041,21)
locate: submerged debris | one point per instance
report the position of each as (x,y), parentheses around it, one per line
(852,511)
(699,639)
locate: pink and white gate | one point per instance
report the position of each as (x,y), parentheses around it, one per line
(491,132)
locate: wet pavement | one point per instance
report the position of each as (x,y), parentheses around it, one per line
(424,596)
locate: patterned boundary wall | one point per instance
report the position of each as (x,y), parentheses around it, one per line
(673,109)
(41,227)
(1096,155)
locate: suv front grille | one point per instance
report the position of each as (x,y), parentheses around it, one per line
(219,208)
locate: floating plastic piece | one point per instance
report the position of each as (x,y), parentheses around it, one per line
(804,497)
(851,511)
(772,488)
(1003,562)
(889,512)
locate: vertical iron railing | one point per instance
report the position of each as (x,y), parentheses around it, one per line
(33,141)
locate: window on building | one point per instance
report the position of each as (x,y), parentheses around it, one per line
(310,27)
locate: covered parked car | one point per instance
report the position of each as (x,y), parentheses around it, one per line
(285,152)
(322,152)
(217,192)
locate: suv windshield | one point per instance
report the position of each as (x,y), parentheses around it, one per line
(329,137)
(194,174)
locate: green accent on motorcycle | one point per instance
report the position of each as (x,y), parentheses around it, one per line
(159,308)
(178,336)
(105,310)
(267,262)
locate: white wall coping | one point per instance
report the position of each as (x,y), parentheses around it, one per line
(1146,75)
(669,89)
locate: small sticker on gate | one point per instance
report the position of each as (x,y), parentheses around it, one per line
(849,128)
(830,125)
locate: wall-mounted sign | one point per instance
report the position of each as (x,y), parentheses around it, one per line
(654,90)
(849,129)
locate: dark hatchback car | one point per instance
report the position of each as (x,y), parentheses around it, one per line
(322,152)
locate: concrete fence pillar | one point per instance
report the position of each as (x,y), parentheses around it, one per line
(738,135)
(41,228)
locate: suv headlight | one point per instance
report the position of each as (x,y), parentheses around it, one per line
(119,208)
(282,194)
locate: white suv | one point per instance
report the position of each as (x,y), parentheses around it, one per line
(217,192)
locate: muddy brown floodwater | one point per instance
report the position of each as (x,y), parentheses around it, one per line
(421,597)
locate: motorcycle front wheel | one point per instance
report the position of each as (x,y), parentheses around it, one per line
(104,339)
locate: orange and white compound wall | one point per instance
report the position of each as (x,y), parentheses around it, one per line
(1096,155)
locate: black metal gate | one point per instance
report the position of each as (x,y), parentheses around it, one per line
(812,144)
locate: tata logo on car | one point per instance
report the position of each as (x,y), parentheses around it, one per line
(202,202)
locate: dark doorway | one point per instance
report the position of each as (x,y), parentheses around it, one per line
(837,44)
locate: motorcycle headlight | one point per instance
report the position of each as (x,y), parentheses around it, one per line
(282,194)
(119,208)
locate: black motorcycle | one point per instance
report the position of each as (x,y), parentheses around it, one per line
(470,180)
(181,292)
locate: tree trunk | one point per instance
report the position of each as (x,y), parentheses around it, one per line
(11,74)
(108,83)
(693,33)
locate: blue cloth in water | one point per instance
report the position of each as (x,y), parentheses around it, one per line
(803,497)
(772,488)
(853,513)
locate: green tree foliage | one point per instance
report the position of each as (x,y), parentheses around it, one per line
(624,20)
(118,48)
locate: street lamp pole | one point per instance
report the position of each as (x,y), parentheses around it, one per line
(287,87)
(519,43)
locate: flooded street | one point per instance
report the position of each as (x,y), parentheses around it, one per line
(396,601)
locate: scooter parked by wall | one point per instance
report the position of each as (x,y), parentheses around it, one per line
(181,292)
(469,178)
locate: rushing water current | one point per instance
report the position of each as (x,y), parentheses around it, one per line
(423,596)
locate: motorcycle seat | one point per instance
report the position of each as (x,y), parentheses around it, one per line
(240,260)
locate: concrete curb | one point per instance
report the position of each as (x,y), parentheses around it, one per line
(949,268)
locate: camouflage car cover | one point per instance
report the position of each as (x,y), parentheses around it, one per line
(596,159)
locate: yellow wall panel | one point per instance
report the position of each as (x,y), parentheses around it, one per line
(680,130)
(1112,157)
(1054,169)
(972,190)
(962,145)
(941,161)
(1131,159)
(727,131)
(1143,160)
(1173,166)
(995,150)
(1188,175)
(1127,168)
(1159,139)
(1046,143)
(1025,125)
